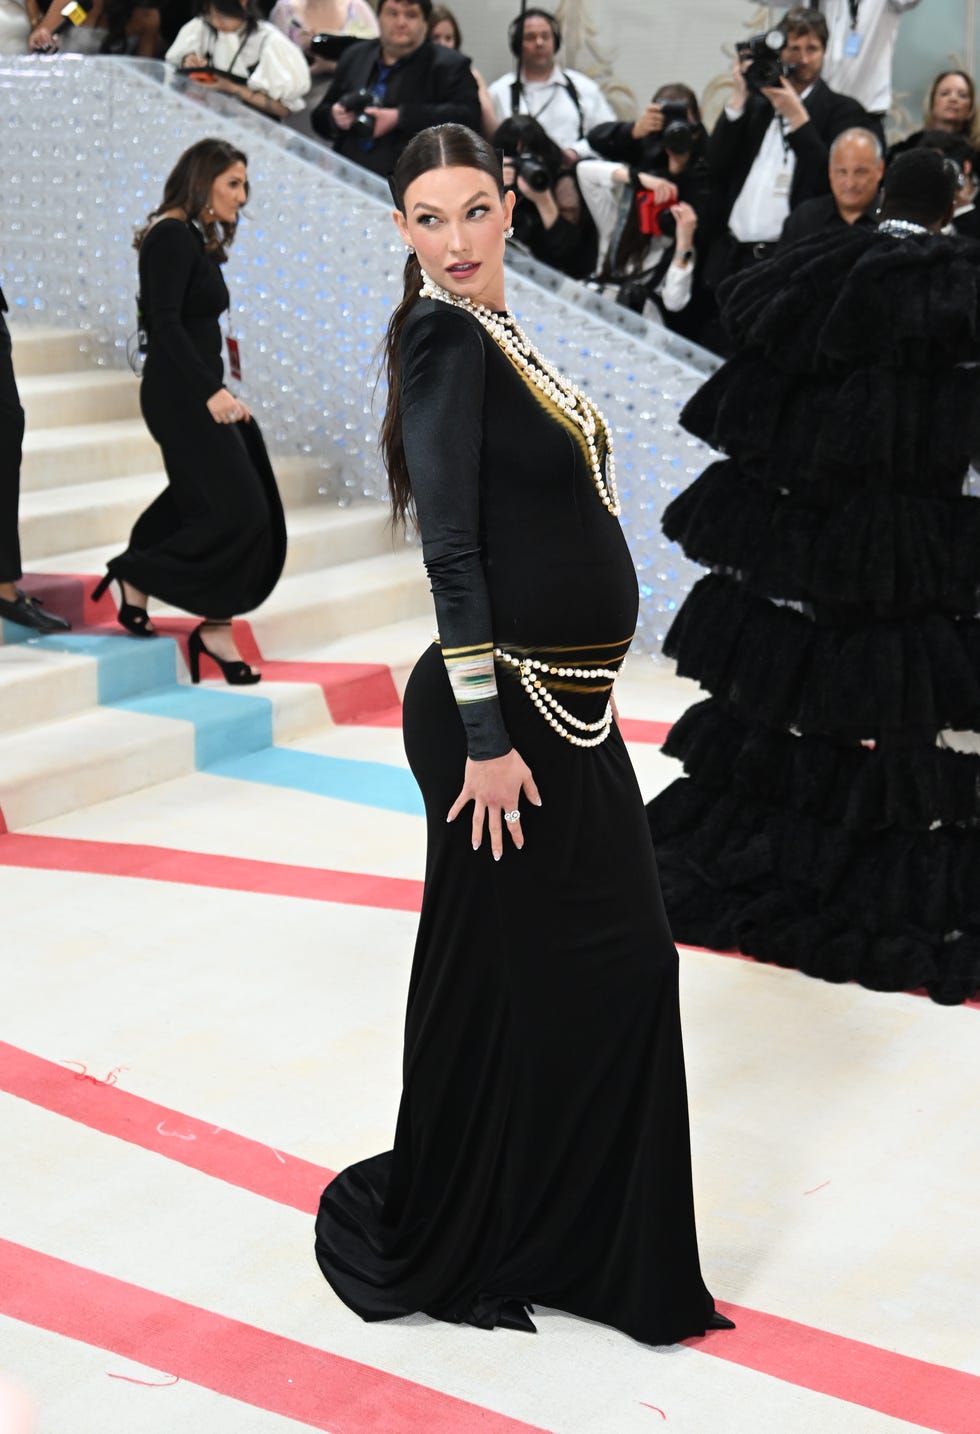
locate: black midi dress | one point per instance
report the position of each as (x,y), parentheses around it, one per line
(829,815)
(214,542)
(542,1148)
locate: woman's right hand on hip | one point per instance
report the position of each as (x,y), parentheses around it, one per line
(224,407)
(495,787)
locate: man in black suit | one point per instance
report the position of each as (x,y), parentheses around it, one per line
(414,82)
(857,164)
(769,150)
(15,604)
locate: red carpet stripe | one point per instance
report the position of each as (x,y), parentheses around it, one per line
(224,873)
(946,1400)
(931,1395)
(232,873)
(356,693)
(637,729)
(202,1145)
(251,1365)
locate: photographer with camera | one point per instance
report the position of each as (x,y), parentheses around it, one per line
(389,89)
(770,148)
(548,218)
(566,103)
(646,196)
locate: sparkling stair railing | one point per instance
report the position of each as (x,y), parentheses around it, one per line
(314,274)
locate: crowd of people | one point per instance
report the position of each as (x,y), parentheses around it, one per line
(656,210)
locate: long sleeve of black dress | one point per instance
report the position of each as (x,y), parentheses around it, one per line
(442,392)
(169,256)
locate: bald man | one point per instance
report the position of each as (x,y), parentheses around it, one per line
(855,169)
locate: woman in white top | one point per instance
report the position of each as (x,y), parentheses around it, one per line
(231,49)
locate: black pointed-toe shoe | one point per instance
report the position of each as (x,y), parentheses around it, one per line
(28,612)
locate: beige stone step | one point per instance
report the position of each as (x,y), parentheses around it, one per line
(58,400)
(311,609)
(54,522)
(60,766)
(82,515)
(44,350)
(86,453)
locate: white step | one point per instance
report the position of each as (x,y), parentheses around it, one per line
(55,457)
(58,400)
(38,684)
(96,753)
(310,609)
(82,515)
(44,350)
(58,767)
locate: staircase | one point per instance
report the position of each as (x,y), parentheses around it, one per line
(96,714)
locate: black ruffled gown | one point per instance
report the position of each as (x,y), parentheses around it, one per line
(542,1148)
(830,812)
(214,542)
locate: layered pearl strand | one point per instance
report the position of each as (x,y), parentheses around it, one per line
(551,710)
(569,400)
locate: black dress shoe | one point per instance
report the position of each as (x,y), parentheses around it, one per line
(28,612)
(719,1321)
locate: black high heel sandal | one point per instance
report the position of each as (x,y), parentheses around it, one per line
(136,620)
(236,674)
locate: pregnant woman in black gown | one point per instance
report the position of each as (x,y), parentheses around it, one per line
(542,1149)
(214,542)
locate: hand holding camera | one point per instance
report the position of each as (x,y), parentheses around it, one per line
(651,121)
(786,102)
(663,191)
(359,112)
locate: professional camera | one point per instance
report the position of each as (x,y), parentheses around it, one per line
(655,219)
(358,101)
(764,51)
(677,135)
(532,169)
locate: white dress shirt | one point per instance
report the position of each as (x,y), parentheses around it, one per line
(762,206)
(551,104)
(867,75)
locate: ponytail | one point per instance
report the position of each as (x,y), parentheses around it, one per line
(390,440)
(442,146)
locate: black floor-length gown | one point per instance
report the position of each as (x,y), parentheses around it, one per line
(542,1147)
(214,542)
(829,818)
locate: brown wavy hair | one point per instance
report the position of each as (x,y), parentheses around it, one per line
(188,188)
(444,146)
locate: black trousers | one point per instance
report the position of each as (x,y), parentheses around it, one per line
(11,441)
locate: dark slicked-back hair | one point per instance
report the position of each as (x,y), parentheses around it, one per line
(444,146)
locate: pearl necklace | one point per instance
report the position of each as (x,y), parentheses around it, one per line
(548,705)
(900,228)
(569,400)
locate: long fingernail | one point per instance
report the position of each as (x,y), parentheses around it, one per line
(476,846)
(497,855)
